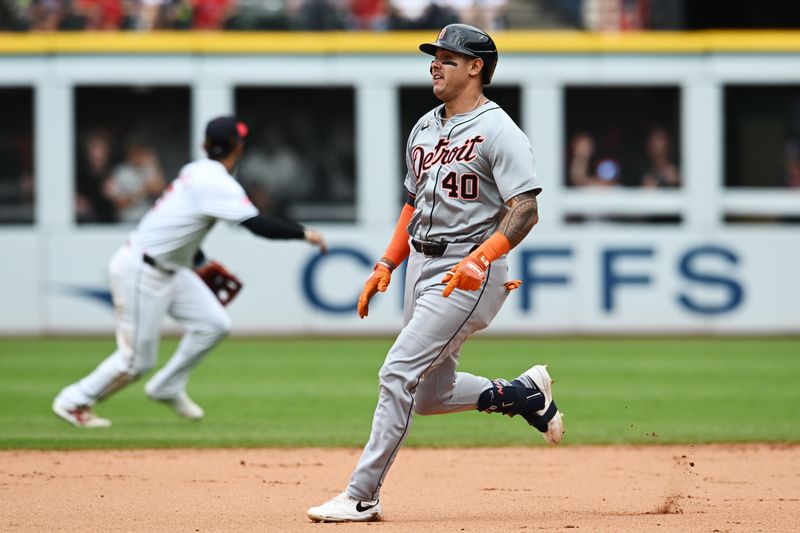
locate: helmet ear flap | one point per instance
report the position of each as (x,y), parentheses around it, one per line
(488,71)
(489,64)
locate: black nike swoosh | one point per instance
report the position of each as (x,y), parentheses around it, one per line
(361,508)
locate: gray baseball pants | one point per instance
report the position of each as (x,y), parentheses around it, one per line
(419,373)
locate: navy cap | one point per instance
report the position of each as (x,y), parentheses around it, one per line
(223,133)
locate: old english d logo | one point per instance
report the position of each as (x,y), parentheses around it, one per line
(441,34)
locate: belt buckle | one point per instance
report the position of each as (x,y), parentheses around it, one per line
(433,249)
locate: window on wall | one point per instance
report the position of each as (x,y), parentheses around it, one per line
(300,158)
(622,137)
(16,156)
(417,101)
(129,143)
(762,136)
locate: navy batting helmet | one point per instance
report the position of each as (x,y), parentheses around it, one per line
(467,40)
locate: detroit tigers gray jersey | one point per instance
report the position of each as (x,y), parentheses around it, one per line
(473,182)
(463,173)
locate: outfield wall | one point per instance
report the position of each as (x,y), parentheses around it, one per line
(597,281)
(700,276)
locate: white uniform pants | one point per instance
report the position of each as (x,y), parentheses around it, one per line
(143,295)
(419,374)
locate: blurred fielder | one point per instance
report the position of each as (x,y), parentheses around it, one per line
(471,198)
(153,275)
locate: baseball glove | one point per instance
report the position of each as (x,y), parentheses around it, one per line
(222,283)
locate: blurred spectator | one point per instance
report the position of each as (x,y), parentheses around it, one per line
(596,15)
(369,14)
(211,14)
(301,161)
(616,15)
(16,178)
(485,14)
(136,182)
(11,16)
(661,169)
(634,14)
(420,14)
(405,12)
(318,15)
(273,172)
(624,144)
(572,10)
(262,14)
(147,15)
(336,164)
(792,162)
(586,169)
(99,14)
(47,15)
(94,170)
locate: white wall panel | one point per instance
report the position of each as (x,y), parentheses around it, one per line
(697,277)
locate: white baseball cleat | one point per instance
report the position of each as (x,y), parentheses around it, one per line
(537,377)
(183,405)
(81,416)
(345,508)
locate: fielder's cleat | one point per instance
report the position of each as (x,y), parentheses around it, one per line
(81,416)
(548,420)
(183,405)
(345,508)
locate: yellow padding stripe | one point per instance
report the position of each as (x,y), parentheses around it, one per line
(399,42)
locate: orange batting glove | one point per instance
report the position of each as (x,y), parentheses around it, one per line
(377,281)
(467,275)
(470,273)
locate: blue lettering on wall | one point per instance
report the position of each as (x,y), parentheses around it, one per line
(530,279)
(735,291)
(610,277)
(310,285)
(611,282)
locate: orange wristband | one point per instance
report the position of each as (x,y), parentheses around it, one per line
(398,249)
(493,247)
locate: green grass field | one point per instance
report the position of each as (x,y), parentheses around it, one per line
(322,392)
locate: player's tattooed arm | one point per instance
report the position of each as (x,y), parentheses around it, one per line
(520,218)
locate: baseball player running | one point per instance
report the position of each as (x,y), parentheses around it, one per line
(471,198)
(152,276)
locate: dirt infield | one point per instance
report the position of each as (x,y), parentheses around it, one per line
(648,488)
